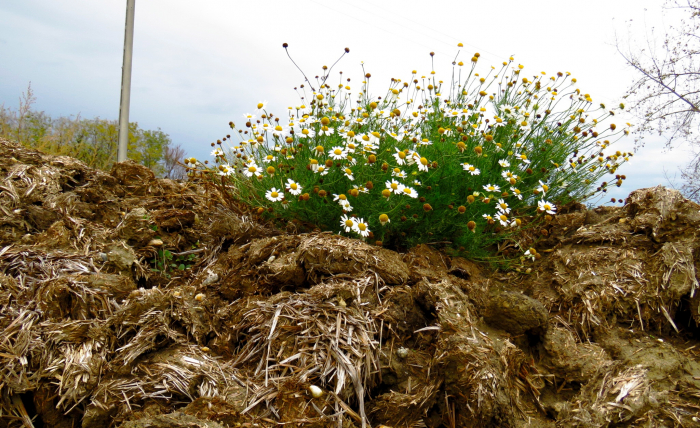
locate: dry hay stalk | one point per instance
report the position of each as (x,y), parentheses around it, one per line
(304,339)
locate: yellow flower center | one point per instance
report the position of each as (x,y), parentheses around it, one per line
(293,186)
(394,186)
(471,168)
(503,206)
(319,149)
(547,207)
(252,169)
(424,161)
(305,131)
(260,105)
(402,155)
(348,223)
(278,128)
(342,197)
(523,157)
(407,191)
(365,138)
(274,194)
(348,171)
(338,152)
(362,226)
(383,218)
(503,217)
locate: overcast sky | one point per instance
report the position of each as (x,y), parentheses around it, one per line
(199,65)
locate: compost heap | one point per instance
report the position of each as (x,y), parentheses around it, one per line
(241,324)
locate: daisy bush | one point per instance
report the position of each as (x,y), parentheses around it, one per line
(461,161)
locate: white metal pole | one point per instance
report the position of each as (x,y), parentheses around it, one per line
(126,82)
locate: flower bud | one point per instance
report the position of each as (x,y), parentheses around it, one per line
(471,226)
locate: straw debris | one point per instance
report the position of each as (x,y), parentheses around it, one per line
(131,301)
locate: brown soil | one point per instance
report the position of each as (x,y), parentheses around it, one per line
(602,331)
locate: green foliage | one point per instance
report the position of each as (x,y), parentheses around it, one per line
(93,141)
(165,262)
(463,162)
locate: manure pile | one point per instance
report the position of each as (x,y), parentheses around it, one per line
(240,324)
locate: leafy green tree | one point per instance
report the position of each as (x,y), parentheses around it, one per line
(93,141)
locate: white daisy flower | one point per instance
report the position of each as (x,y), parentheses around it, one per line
(348,173)
(384,219)
(268,159)
(373,138)
(543,188)
(398,173)
(471,169)
(361,189)
(274,195)
(347,223)
(217,152)
(393,185)
(502,218)
(346,205)
(517,193)
(261,106)
(337,153)
(508,110)
(361,228)
(529,255)
(405,190)
(400,156)
(522,157)
(492,188)
(326,130)
(305,133)
(294,188)
(546,206)
(251,169)
(503,206)
(249,117)
(504,163)
(423,164)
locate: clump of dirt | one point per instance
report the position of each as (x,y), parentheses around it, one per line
(131,301)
